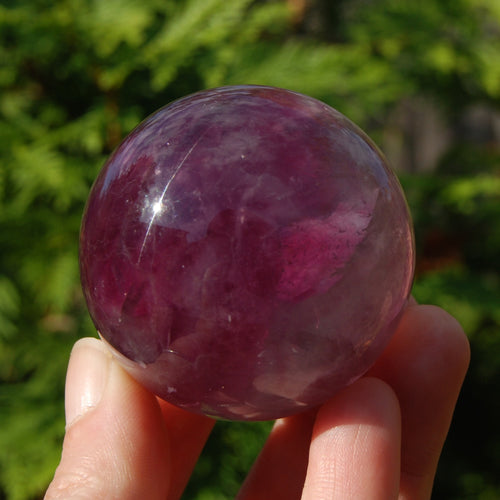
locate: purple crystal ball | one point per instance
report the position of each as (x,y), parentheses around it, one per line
(246,252)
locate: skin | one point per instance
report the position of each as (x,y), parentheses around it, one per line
(379,438)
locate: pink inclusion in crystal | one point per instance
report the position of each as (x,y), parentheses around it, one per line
(246,252)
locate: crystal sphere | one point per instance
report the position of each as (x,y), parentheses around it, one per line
(246,252)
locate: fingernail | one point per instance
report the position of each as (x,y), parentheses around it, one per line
(86,378)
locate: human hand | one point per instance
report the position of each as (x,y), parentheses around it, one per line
(379,438)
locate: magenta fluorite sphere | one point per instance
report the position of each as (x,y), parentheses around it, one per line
(247,252)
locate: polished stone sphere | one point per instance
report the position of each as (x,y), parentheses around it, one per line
(246,252)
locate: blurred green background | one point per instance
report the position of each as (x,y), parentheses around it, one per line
(422,78)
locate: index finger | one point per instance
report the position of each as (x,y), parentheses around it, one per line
(425,364)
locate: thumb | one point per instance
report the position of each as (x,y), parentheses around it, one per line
(115,445)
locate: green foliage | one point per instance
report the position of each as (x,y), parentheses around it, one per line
(450,48)
(77,75)
(226,459)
